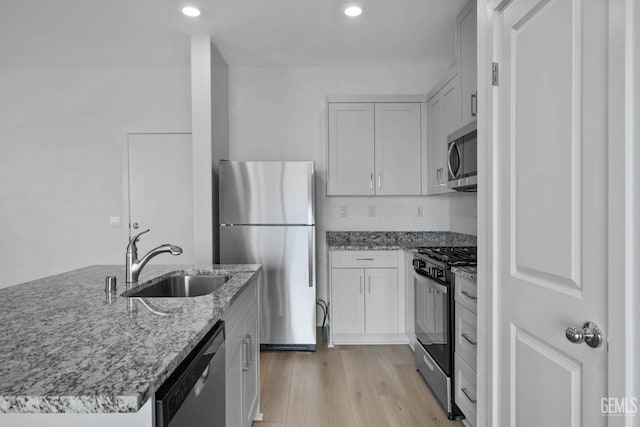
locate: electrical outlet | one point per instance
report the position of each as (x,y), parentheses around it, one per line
(372,210)
(343,211)
(114,221)
(419,211)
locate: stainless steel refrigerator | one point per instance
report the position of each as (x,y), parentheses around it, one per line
(267,217)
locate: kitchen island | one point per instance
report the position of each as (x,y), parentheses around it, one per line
(71,356)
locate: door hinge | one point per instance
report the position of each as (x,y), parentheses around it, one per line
(494,74)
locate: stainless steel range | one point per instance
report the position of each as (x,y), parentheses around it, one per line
(434,324)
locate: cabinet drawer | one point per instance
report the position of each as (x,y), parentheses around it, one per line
(238,307)
(364,259)
(466,335)
(466,293)
(465,389)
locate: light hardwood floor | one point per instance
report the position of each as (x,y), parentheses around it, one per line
(364,386)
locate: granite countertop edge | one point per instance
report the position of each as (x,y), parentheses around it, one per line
(208,309)
(395,240)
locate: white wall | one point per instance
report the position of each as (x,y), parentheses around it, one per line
(280,114)
(210,118)
(62,139)
(463,213)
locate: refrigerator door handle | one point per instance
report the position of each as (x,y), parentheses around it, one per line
(312,255)
(311,195)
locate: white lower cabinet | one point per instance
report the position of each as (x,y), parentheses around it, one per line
(242,357)
(465,389)
(465,360)
(347,301)
(250,375)
(365,298)
(381,301)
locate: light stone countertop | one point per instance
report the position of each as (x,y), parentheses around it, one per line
(64,349)
(392,240)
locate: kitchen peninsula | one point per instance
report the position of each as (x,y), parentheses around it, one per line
(71,356)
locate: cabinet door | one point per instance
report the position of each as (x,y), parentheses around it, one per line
(351,149)
(466,26)
(435,169)
(397,148)
(250,372)
(234,357)
(450,122)
(381,300)
(347,289)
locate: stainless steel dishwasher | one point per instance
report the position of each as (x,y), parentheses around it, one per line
(194,395)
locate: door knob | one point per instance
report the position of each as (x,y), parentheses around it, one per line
(589,333)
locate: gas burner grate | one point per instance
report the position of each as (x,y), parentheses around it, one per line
(452,255)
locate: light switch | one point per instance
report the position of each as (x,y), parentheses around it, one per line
(343,211)
(372,210)
(115,221)
(419,211)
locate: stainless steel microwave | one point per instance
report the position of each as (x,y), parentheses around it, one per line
(462,158)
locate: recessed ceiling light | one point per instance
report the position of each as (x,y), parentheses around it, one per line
(353,11)
(191,11)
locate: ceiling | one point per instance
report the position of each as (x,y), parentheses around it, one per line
(252,33)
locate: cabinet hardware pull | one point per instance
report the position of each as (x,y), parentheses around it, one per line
(379,181)
(245,362)
(466,393)
(466,337)
(474,105)
(438,176)
(364,259)
(371,181)
(250,343)
(467,294)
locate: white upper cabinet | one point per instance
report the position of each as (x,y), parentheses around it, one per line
(450,119)
(443,117)
(435,169)
(466,30)
(375,149)
(397,148)
(351,156)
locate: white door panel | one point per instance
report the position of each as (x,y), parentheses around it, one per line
(552,205)
(161,192)
(351,149)
(397,148)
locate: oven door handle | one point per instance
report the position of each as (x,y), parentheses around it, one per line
(431,282)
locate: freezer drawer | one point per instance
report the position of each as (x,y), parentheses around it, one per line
(288,297)
(262,193)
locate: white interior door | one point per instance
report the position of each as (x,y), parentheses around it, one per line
(161,192)
(551,207)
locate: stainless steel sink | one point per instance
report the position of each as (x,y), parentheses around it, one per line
(182,286)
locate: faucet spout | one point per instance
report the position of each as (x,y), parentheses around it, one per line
(134,266)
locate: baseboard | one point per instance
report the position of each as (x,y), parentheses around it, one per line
(369,339)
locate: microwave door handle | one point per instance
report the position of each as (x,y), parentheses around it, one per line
(453,145)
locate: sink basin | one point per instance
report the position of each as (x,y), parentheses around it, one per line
(182,286)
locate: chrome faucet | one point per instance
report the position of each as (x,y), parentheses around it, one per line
(134,265)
